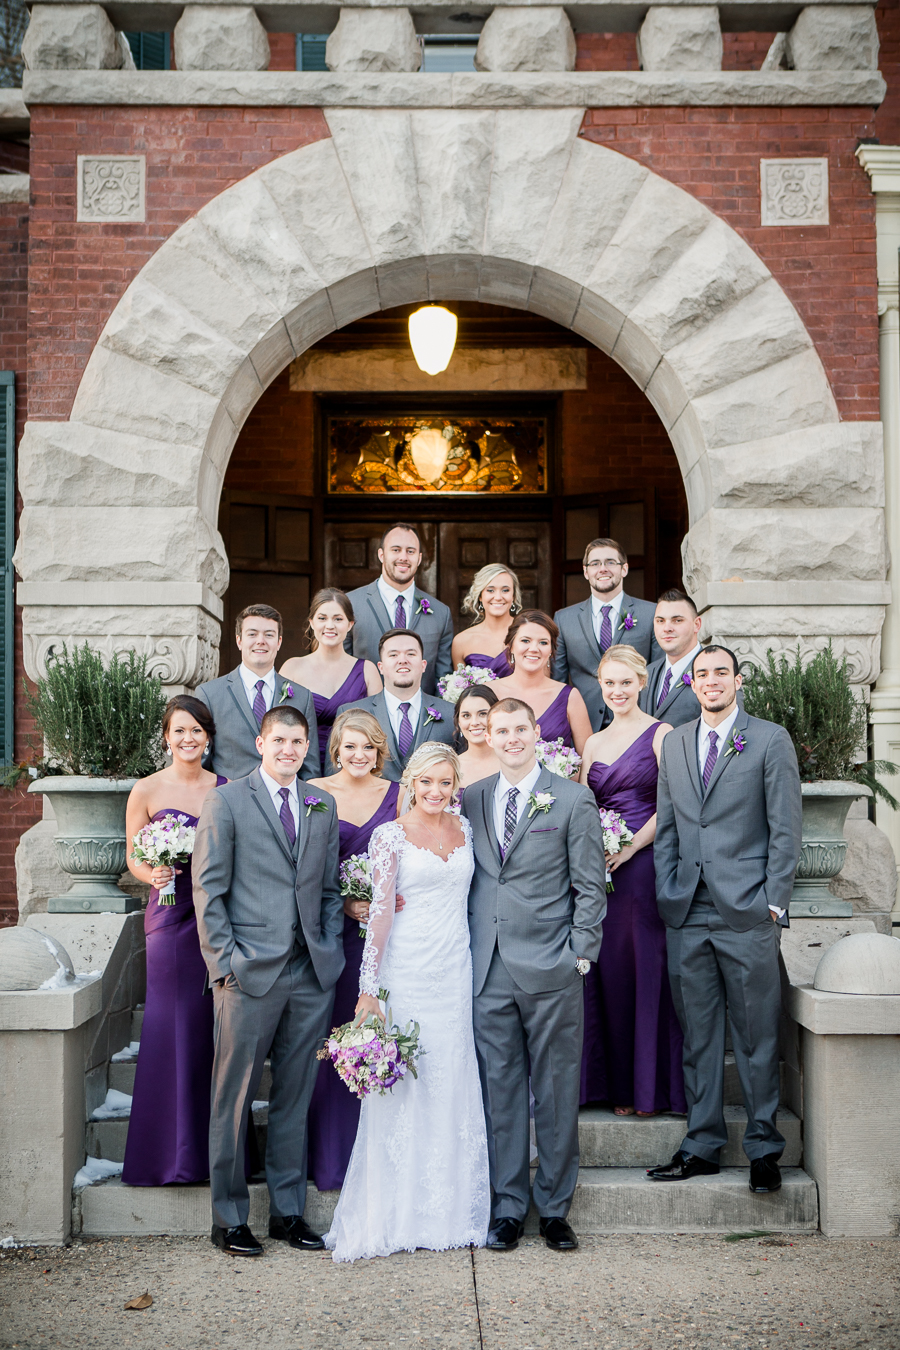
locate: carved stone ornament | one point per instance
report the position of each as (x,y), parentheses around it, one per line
(111,188)
(793,191)
(863,651)
(184,660)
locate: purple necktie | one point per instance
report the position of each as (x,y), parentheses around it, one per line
(510,820)
(399,613)
(710,758)
(405,734)
(605,629)
(259,703)
(666,685)
(287,815)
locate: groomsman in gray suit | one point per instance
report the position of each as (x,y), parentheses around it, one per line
(394,601)
(239,700)
(608,616)
(270,918)
(536,908)
(406,716)
(726,847)
(668,694)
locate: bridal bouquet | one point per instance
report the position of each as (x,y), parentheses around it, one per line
(356,880)
(163,843)
(558,758)
(458,681)
(374,1056)
(616,836)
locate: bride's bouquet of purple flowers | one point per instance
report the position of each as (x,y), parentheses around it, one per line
(373,1056)
(616,836)
(356,880)
(558,757)
(163,843)
(450,686)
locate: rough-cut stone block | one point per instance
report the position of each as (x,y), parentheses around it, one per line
(531,154)
(595,193)
(839,464)
(868,877)
(373,40)
(376,153)
(790,544)
(38,874)
(71,37)
(15,187)
(834,37)
(220,37)
(520,38)
(790,395)
(453,153)
(453,276)
(807,940)
(554,297)
(687,38)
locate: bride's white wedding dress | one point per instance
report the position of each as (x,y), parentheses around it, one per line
(418,1175)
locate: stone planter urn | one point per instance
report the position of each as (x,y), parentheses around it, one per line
(90,842)
(825,807)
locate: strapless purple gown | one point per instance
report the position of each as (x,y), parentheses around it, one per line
(498,664)
(632,1039)
(168,1133)
(555,721)
(354,687)
(334,1112)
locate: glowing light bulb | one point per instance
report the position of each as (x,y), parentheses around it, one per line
(432,336)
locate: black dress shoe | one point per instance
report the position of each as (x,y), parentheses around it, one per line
(765,1174)
(236,1241)
(682,1167)
(558,1235)
(503,1235)
(296,1232)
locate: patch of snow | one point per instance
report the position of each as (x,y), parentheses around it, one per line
(10,1242)
(116,1107)
(94,1170)
(128,1054)
(62,979)
(260,1106)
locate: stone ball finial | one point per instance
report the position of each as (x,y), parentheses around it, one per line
(863,963)
(28,959)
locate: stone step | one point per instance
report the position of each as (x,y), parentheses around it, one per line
(137,1021)
(607,1200)
(121,1077)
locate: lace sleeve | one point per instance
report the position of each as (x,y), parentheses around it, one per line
(384,851)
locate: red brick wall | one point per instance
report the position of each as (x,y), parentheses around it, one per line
(618,51)
(887,118)
(274,452)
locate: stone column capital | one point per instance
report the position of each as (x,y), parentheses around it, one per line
(882,164)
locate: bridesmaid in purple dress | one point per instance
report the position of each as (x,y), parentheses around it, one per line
(495,599)
(168,1133)
(632,1039)
(331,674)
(358,749)
(559,708)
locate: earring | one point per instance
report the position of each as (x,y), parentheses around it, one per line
(479,607)
(513,610)
(205,752)
(168,748)
(339,764)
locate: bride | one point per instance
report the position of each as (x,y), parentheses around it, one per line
(418,1174)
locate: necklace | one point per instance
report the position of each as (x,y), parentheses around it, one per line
(440,837)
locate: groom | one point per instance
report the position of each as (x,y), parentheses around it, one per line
(536,910)
(271,920)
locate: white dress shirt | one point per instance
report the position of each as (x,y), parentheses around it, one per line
(250,678)
(390,596)
(392,704)
(597,612)
(275,793)
(525,786)
(677,668)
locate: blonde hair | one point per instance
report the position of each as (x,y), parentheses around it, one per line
(627,656)
(483,577)
(431,752)
(355,719)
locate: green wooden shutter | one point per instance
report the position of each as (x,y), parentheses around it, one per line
(7,543)
(311,51)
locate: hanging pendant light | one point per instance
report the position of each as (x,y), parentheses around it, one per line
(432,336)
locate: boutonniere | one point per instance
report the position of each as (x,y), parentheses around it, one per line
(737,744)
(314,804)
(424,608)
(433,716)
(686,678)
(629,622)
(540,801)
(287,691)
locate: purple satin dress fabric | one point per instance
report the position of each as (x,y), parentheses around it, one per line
(354,687)
(168,1134)
(334,1112)
(632,1039)
(498,664)
(554,722)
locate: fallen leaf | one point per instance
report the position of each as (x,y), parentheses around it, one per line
(140,1303)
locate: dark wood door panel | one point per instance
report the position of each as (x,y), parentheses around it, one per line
(351,553)
(524,547)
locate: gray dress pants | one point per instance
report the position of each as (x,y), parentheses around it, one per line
(711,965)
(292,1019)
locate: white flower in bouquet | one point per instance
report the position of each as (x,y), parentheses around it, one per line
(375,1056)
(558,758)
(616,836)
(163,843)
(450,686)
(356,880)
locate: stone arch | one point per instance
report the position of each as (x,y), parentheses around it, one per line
(118,537)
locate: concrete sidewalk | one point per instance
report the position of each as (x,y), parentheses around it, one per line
(615,1293)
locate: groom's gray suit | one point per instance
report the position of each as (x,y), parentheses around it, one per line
(234,748)
(723,855)
(271,921)
(532,914)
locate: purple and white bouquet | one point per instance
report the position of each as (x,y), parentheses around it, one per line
(373,1056)
(356,880)
(458,681)
(616,836)
(558,758)
(163,843)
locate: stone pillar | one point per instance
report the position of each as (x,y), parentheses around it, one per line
(220,37)
(374,40)
(882,164)
(834,37)
(74,37)
(687,38)
(533,39)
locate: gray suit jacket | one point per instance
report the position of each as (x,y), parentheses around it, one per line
(742,835)
(578,651)
(543,904)
(372,619)
(234,752)
(681,703)
(436,730)
(250,894)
